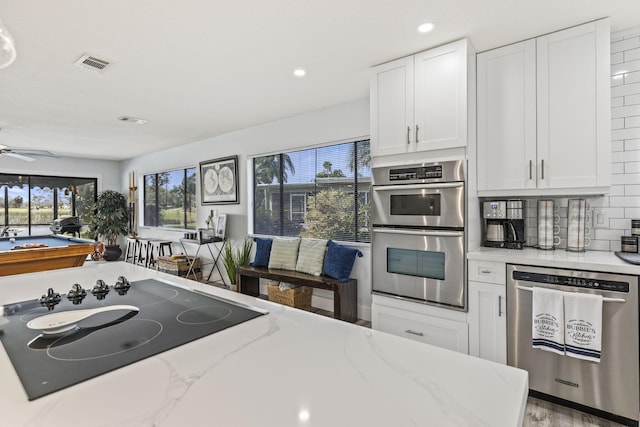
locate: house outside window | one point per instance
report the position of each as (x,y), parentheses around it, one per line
(318,193)
(170,199)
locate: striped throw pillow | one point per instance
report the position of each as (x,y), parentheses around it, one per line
(311,256)
(284,253)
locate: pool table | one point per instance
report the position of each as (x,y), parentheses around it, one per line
(60,252)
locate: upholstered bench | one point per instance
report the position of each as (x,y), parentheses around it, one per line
(345,294)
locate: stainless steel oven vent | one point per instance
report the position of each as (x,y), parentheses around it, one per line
(93,63)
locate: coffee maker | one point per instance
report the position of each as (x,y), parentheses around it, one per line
(503,224)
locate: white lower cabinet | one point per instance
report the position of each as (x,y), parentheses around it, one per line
(431,325)
(487,311)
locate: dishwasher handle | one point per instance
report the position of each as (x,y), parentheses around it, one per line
(604,299)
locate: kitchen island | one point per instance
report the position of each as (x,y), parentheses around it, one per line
(286,368)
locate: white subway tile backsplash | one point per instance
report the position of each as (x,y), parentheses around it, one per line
(615,246)
(630,89)
(632,144)
(617,80)
(620,224)
(632,122)
(629,178)
(598,245)
(625,156)
(616,213)
(632,167)
(625,202)
(632,213)
(632,190)
(628,55)
(613,234)
(617,190)
(617,124)
(617,168)
(625,67)
(633,77)
(618,57)
(626,44)
(617,101)
(632,133)
(598,202)
(627,111)
(630,100)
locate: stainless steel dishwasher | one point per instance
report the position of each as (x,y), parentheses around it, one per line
(610,388)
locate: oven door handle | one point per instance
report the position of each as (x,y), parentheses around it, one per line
(604,299)
(419,186)
(434,233)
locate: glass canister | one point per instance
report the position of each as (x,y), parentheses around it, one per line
(545,224)
(576,225)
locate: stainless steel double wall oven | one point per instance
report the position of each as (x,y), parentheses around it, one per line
(418,241)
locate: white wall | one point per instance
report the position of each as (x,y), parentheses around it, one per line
(108,172)
(342,122)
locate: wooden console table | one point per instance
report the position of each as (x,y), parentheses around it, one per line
(345,294)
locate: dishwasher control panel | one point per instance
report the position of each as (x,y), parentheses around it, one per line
(576,282)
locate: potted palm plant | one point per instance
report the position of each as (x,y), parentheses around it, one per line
(233,258)
(110,220)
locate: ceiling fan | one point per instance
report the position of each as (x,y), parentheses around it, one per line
(27,155)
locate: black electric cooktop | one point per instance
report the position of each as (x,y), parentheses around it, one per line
(168,317)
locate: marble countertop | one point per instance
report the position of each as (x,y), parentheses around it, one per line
(288,368)
(590,260)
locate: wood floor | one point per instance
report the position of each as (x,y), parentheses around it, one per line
(539,413)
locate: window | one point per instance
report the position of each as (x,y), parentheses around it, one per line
(319,193)
(31,202)
(170,199)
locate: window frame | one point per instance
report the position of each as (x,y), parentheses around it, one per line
(184,221)
(252,189)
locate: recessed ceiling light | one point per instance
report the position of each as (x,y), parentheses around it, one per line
(299,72)
(426,27)
(132,120)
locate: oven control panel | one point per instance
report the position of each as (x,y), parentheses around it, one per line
(416,173)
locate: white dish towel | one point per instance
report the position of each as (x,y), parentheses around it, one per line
(583,325)
(547,323)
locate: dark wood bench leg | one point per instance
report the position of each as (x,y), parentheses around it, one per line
(345,302)
(248,285)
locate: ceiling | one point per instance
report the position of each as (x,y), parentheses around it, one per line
(200,68)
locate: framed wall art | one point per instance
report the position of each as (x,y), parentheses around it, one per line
(219,181)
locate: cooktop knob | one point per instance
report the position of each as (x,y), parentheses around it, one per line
(50,299)
(100,290)
(76,294)
(122,285)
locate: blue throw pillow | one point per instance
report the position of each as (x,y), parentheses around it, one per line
(339,260)
(263,252)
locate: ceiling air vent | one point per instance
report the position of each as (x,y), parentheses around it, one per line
(92,63)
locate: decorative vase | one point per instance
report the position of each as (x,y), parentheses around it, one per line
(112,253)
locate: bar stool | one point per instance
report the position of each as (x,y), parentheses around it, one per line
(155,249)
(140,253)
(130,252)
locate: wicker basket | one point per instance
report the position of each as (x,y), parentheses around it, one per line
(179,266)
(299,297)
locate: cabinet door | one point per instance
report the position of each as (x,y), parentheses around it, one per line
(444,333)
(488,321)
(441,97)
(573,102)
(507,117)
(391,105)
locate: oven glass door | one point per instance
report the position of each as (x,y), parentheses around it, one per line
(425,265)
(424,205)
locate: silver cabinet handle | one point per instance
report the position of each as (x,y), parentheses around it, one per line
(542,168)
(604,299)
(530,166)
(409,331)
(499,305)
(485,271)
(417,129)
(408,135)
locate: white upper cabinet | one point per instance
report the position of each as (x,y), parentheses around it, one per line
(544,114)
(419,103)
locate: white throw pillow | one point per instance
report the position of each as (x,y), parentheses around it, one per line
(311,256)
(284,253)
